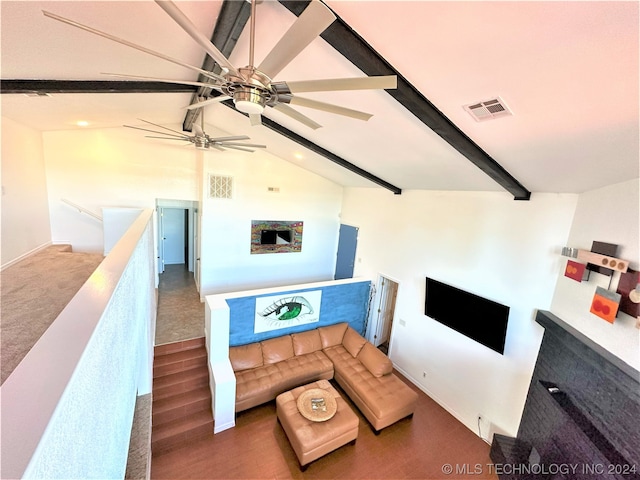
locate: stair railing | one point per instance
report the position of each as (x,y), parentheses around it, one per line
(81,209)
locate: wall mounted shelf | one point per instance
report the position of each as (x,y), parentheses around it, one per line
(612,263)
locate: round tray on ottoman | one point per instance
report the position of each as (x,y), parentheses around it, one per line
(317,405)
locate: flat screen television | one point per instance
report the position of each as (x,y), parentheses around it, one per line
(275,237)
(480,319)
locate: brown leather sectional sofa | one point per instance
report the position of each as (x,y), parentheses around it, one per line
(266,369)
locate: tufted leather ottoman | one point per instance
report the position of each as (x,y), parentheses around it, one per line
(311,440)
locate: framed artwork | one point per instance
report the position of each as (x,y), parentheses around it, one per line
(287,310)
(270,236)
(626,288)
(605,304)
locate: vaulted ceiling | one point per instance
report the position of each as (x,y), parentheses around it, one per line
(568,71)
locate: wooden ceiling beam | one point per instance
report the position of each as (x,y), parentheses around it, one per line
(355,49)
(42,87)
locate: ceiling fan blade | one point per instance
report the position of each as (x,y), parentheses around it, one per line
(181,137)
(169,138)
(229,139)
(181,19)
(287,110)
(163,80)
(218,99)
(166,128)
(335,84)
(250,145)
(217,147)
(255,119)
(331,108)
(237,148)
(132,45)
(310,24)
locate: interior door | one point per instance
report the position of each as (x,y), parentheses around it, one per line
(382,318)
(174,227)
(346,256)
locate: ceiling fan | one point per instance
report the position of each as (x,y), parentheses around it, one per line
(200,139)
(251,87)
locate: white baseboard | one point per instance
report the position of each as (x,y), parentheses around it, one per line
(435,398)
(25,255)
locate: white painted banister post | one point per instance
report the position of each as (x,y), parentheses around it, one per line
(222,380)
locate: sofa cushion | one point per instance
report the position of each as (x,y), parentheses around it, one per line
(306,342)
(260,385)
(244,357)
(375,361)
(333,334)
(277,349)
(353,341)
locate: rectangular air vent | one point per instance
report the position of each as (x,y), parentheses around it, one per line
(220,186)
(488,109)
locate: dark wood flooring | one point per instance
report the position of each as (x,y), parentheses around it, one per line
(257,448)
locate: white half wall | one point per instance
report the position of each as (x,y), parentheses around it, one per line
(25,208)
(610,214)
(226,261)
(482,242)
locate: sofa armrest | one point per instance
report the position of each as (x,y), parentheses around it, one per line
(374,360)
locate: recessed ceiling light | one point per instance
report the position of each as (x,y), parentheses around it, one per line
(82,123)
(298,155)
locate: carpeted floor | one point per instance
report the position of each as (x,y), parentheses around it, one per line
(33,292)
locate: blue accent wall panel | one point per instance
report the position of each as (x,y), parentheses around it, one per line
(340,303)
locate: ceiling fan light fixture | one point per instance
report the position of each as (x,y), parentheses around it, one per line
(249,100)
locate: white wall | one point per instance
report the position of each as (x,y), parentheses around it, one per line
(485,243)
(68,407)
(115,167)
(610,214)
(227,264)
(25,211)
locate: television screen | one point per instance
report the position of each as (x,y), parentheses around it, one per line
(275,237)
(480,319)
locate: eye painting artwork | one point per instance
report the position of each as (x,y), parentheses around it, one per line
(282,311)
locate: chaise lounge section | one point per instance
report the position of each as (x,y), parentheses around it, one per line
(266,369)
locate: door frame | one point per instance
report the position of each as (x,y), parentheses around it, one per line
(373,325)
(192,261)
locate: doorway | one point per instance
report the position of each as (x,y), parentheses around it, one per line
(383,312)
(177,238)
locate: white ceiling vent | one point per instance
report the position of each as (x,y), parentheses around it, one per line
(488,109)
(220,186)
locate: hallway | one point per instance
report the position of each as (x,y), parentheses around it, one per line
(180,311)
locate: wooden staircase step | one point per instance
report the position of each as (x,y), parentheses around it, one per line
(181,431)
(167,409)
(173,347)
(181,409)
(180,382)
(179,361)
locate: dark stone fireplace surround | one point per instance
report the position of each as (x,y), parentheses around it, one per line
(582,414)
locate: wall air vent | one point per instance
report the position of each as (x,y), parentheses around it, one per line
(220,186)
(488,109)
